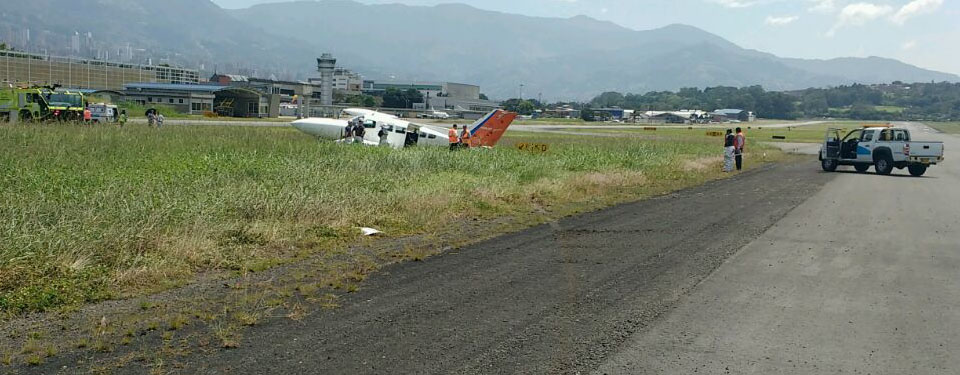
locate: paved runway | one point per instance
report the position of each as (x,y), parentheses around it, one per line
(863,278)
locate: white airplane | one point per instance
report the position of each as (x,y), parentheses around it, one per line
(486,132)
(439,115)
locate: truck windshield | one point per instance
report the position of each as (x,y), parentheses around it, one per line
(73,100)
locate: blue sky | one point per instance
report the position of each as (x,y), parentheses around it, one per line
(921,32)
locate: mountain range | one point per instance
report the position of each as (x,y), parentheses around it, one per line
(572,58)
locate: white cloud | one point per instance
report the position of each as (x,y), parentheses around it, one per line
(823,6)
(737,3)
(915,8)
(908,45)
(858,15)
(780,21)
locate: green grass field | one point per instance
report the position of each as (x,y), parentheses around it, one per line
(557,121)
(801,134)
(99,213)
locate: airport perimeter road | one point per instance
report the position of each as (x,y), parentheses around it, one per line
(863,278)
(214,122)
(552,299)
(554,128)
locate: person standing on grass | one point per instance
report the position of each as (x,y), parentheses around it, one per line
(739,140)
(465,138)
(348,132)
(359,131)
(123,118)
(728,151)
(383,134)
(87,116)
(159,120)
(454,139)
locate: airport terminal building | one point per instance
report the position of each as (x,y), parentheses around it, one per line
(77,73)
(438,95)
(224,94)
(226,101)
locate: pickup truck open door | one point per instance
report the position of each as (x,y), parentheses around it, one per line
(883,147)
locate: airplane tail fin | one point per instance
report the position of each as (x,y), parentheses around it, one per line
(487,131)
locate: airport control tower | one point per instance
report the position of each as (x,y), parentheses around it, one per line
(325,64)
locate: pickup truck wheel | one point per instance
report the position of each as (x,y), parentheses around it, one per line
(883,165)
(917,170)
(861,167)
(828,165)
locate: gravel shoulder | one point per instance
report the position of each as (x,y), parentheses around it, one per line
(556,298)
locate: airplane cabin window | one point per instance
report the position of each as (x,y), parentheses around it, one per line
(399,130)
(369,124)
(431,136)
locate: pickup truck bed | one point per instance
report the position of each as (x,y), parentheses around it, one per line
(884,148)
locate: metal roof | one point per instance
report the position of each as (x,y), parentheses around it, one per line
(175,87)
(729,111)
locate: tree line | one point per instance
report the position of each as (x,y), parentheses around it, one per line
(895,101)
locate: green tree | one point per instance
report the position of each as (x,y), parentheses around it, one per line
(609,99)
(523,107)
(484,96)
(587,115)
(394,98)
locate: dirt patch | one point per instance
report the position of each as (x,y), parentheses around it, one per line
(703,164)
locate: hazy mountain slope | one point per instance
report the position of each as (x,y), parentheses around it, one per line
(573,58)
(869,70)
(189,32)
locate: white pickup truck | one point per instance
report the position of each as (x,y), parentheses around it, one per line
(882,147)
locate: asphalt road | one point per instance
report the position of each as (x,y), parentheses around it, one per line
(557,298)
(559,127)
(860,279)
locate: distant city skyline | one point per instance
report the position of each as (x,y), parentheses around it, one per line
(919,32)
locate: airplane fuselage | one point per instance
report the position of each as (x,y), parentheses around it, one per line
(397,132)
(485,132)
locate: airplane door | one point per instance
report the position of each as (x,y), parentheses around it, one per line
(412,136)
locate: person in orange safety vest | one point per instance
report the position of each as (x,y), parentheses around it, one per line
(465,138)
(454,139)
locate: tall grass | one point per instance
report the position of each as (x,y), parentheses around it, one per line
(93,213)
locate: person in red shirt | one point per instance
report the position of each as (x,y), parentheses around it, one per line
(739,141)
(87,115)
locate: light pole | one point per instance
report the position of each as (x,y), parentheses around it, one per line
(521,92)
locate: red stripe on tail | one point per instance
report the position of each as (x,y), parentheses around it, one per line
(492,130)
